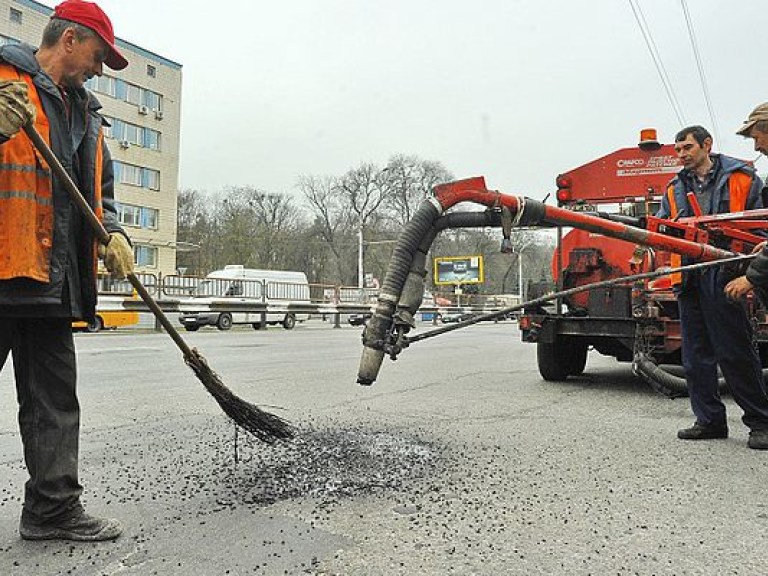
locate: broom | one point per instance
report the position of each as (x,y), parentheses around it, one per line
(265,426)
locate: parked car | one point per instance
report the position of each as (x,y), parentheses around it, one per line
(455,317)
(359,319)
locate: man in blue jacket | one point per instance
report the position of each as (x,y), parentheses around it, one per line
(716,330)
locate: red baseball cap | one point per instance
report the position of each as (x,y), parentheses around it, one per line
(91,16)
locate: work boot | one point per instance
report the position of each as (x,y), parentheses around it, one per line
(758,440)
(82,527)
(705,432)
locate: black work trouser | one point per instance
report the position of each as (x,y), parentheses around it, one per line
(44,364)
(717,331)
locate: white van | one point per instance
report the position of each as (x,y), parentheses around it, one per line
(247,284)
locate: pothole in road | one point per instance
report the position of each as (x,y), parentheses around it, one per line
(331,464)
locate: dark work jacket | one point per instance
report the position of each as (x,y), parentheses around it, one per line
(71,290)
(683,183)
(757,273)
(724,167)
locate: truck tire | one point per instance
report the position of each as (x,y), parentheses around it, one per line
(258,326)
(224,322)
(576,357)
(289,322)
(554,364)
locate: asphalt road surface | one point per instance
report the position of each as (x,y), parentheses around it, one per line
(459,460)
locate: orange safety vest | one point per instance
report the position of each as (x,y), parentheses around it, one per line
(739,184)
(26,198)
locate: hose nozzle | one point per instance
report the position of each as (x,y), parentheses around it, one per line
(370,364)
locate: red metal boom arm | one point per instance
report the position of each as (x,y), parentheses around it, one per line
(528,212)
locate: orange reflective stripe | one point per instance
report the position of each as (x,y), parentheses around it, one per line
(26,198)
(739,185)
(98,207)
(672,202)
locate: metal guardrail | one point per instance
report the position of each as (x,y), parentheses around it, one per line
(177,286)
(175,293)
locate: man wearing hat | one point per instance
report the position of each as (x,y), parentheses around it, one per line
(755,127)
(48,253)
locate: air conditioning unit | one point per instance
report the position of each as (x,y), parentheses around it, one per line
(159,114)
(124,143)
(143,109)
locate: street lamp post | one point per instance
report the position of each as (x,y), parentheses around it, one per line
(360,255)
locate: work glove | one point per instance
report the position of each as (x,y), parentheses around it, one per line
(117,255)
(15,107)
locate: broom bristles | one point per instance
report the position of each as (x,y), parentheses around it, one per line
(267,427)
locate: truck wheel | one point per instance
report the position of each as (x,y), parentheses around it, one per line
(96,325)
(258,326)
(554,365)
(289,322)
(576,357)
(224,322)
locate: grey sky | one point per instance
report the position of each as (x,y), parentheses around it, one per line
(517,91)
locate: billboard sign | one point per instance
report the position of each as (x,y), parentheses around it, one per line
(458,270)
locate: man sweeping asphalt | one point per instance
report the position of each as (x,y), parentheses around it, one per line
(48,253)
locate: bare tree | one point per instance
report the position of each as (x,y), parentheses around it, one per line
(331,220)
(363,190)
(194,230)
(409,180)
(270,223)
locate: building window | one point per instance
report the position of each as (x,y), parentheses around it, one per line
(145,255)
(151,139)
(153,100)
(130,174)
(149,218)
(122,90)
(134,134)
(136,175)
(137,216)
(15,16)
(7,40)
(151,179)
(106,85)
(133,95)
(151,71)
(129,215)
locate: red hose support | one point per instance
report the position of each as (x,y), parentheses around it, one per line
(474,190)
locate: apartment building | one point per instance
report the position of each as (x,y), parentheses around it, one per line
(143,105)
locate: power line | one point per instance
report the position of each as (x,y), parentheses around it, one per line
(700,68)
(643,25)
